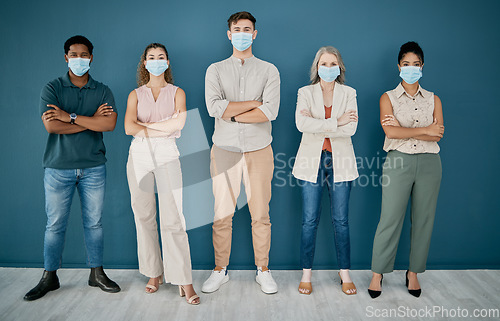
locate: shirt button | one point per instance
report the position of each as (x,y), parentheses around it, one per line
(417,120)
(415,108)
(241,91)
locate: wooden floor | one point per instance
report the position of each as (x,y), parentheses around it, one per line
(241,298)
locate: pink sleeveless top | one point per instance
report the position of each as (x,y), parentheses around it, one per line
(151,111)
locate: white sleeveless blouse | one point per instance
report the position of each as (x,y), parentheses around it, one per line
(412,112)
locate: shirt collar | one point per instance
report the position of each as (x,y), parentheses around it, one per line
(400,90)
(66,82)
(238,60)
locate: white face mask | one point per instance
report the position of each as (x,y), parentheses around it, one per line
(156,67)
(79,66)
(241,40)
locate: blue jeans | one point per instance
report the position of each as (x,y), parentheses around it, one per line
(60,185)
(311,204)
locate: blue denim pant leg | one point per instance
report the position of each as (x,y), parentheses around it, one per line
(311,212)
(91,187)
(59,185)
(339,208)
(339,201)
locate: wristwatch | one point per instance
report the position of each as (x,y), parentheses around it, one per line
(73,118)
(233,119)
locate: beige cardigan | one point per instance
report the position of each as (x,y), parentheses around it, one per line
(316,128)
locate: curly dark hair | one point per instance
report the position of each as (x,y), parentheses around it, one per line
(78,40)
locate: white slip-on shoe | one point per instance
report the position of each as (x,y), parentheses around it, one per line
(266,281)
(216,279)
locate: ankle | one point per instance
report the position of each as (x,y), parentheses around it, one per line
(219,268)
(262,268)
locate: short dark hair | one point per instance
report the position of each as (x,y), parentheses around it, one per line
(78,40)
(238,16)
(413,47)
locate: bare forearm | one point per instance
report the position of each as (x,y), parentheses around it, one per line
(167,126)
(395,132)
(239,107)
(428,138)
(97,123)
(252,116)
(59,127)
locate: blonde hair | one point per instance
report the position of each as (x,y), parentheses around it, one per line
(143,73)
(314,68)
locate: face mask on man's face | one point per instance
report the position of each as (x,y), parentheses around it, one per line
(79,66)
(241,40)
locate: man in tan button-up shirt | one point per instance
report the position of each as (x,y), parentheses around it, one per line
(242,93)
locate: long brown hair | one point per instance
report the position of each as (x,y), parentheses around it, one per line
(143,73)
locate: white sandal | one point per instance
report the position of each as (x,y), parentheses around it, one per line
(152,287)
(182,293)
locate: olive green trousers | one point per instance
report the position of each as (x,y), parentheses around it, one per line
(405,175)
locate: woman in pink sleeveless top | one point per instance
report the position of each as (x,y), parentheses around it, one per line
(156,113)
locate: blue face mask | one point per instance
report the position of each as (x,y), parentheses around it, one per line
(411,74)
(156,67)
(79,66)
(241,40)
(328,74)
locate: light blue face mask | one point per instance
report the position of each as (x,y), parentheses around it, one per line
(328,74)
(411,74)
(156,67)
(79,66)
(241,40)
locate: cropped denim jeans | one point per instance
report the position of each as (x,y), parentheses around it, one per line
(311,204)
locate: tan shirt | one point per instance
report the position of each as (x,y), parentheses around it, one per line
(231,81)
(412,112)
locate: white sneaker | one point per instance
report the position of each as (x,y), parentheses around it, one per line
(266,281)
(216,279)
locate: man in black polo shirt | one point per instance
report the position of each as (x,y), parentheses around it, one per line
(75,110)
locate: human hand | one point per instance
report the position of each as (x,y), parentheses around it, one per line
(56,114)
(104,110)
(348,117)
(306,113)
(435,129)
(390,120)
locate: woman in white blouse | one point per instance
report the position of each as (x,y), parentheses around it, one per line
(326,115)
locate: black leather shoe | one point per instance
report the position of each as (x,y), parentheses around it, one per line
(49,282)
(375,293)
(415,293)
(99,278)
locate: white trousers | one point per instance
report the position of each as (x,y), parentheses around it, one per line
(150,161)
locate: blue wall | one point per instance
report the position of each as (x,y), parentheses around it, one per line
(460,41)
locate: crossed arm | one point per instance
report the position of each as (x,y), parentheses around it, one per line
(134,127)
(57,121)
(251,111)
(434,132)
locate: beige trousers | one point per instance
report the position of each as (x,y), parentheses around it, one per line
(150,161)
(227,169)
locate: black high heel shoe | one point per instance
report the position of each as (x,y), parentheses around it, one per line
(415,293)
(374,293)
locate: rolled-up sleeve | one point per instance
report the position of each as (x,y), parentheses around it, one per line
(271,95)
(214,98)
